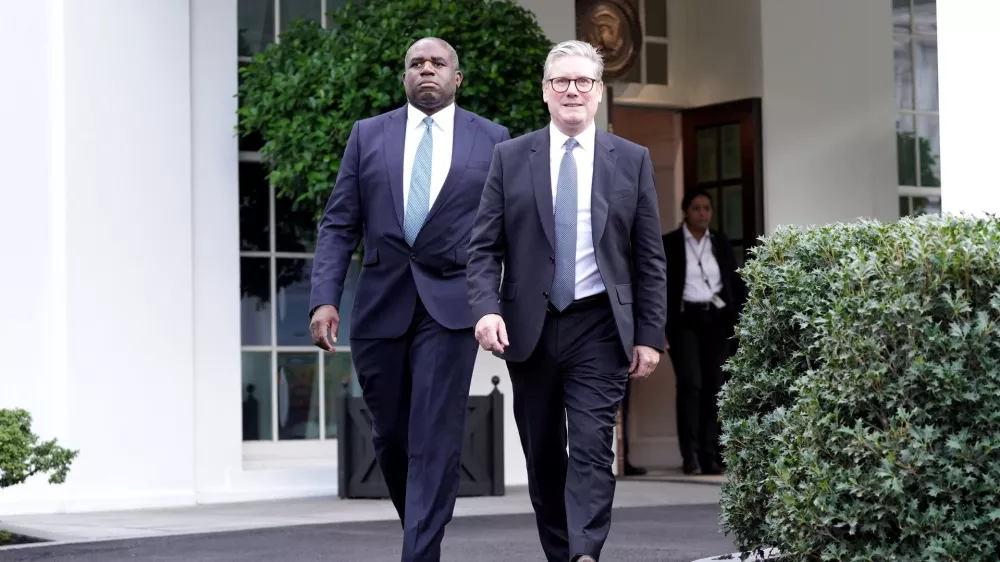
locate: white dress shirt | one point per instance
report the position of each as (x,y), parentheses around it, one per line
(442,135)
(588,278)
(701,282)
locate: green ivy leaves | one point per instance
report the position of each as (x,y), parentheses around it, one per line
(862,419)
(304,93)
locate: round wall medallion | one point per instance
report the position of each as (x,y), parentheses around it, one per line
(613,27)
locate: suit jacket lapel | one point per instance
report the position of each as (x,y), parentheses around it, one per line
(538,164)
(463,135)
(392,143)
(604,174)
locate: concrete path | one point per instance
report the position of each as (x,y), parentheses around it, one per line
(654,521)
(680,533)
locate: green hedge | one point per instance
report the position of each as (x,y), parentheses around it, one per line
(862,417)
(303,94)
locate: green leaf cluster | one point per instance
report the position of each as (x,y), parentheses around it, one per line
(22,456)
(304,93)
(862,418)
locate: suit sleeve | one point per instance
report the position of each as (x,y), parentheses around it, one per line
(339,231)
(486,246)
(649,266)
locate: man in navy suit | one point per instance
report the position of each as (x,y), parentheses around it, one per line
(570,213)
(410,183)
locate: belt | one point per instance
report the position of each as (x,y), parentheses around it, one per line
(697,306)
(586,303)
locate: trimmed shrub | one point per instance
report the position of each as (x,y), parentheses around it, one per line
(862,418)
(22,456)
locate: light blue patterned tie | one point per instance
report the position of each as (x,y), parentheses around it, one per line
(564,281)
(418,200)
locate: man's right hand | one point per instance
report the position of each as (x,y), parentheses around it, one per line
(491,333)
(325,321)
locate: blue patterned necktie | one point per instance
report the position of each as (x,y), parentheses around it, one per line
(418,200)
(564,282)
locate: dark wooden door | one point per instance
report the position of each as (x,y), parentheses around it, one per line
(722,155)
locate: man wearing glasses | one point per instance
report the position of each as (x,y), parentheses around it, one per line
(569,215)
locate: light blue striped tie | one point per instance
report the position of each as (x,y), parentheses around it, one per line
(418,200)
(564,281)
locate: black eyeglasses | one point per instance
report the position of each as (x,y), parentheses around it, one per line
(583,85)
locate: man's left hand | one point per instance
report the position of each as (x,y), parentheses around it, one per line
(644,360)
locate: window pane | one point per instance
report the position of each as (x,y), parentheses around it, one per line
(298,396)
(292,10)
(254,211)
(255,301)
(904,206)
(707,145)
(731,160)
(926,74)
(293,287)
(296,227)
(732,211)
(901,16)
(925,16)
(252,142)
(906,151)
(339,370)
(256,25)
(904,74)
(257,396)
(656,18)
(656,63)
(929,150)
(926,206)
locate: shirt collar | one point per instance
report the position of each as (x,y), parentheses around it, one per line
(585,138)
(689,236)
(443,119)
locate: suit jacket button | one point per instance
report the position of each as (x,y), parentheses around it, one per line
(413,256)
(544,294)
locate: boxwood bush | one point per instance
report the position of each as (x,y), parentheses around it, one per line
(862,415)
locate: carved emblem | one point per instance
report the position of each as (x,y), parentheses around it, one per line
(613,27)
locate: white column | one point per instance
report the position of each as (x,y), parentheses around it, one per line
(32,226)
(967,92)
(102,325)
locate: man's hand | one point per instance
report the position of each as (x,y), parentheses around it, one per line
(325,321)
(644,360)
(491,333)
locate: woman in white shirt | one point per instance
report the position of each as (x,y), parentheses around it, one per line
(704,297)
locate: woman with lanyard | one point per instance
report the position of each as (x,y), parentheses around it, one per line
(704,297)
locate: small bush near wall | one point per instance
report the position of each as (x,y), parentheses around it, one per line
(22,456)
(304,93)
(862,418)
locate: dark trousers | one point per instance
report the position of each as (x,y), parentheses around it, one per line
(699,346)
(576,378)
(417,390)
(625,405)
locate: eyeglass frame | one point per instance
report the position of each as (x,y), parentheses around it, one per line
(593,82)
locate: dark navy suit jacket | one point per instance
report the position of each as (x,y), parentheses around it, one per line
(367,202)
(514,228)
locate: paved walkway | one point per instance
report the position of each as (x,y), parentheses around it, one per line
(653,521)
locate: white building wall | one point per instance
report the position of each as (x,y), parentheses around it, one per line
(829,141)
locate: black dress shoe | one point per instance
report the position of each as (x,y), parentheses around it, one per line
(634,470)
(690,467)
(711,468)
